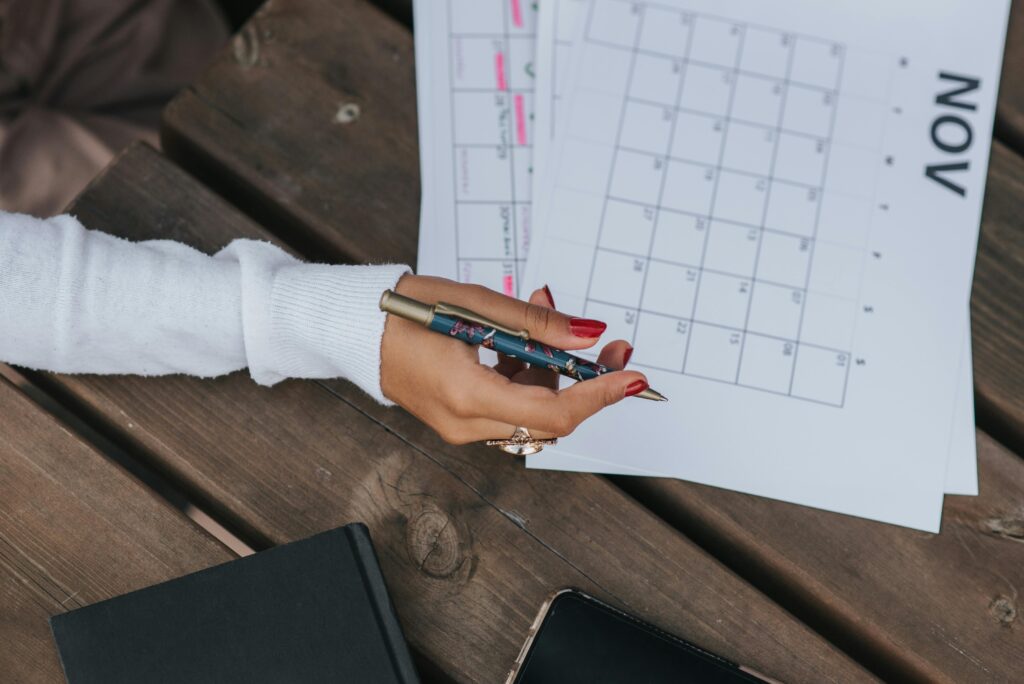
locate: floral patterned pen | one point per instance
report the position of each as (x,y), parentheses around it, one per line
(473,328)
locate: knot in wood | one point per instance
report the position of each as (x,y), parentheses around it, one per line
(1003,609)
(347,113)
(1008,526)
(246,47)
(433,541)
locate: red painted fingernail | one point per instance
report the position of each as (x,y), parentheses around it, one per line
(547,293)
(627,356)
(636,387)
(586,327)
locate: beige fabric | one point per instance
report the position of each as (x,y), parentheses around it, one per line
(80,79)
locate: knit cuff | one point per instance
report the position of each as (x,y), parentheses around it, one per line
(326,322)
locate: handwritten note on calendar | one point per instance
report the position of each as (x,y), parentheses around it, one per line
(777,203)
(475,78)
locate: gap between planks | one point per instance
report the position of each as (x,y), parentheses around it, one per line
(32,386)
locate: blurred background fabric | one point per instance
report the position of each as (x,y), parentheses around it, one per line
(80,79)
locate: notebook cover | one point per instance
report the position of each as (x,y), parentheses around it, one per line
(315,610)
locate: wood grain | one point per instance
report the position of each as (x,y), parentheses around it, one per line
(1010,107)
(74,529)
(262,128)
(997,302)
(915,606)
(469,541)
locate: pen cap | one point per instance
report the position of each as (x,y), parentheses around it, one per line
(409,309)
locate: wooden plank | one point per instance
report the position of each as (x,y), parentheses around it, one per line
(469,541)
(945,605)
(997,302)
(1010,109)
(300,162)
(74,529)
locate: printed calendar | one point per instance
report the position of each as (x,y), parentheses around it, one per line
(740,198)
(708,256)
(775,203)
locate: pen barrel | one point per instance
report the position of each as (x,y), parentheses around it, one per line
(530,351)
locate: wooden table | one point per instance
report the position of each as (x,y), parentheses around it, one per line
(470,542)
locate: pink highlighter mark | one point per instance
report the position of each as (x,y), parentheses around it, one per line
(520,120)
(517,14)
(499,69)
(509,286)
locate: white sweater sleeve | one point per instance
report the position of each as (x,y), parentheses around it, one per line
(78,301)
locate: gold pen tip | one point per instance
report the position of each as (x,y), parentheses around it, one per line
(652,395)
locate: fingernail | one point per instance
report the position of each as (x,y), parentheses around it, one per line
(636,387)
(627,356)
(586,327)
(547,293)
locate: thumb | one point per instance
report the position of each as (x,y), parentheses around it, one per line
(590,396)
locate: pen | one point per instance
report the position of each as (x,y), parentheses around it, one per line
(473,328)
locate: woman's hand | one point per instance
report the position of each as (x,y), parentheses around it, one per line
(441,381)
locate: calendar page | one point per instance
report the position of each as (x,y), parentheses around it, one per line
(961,460)
(777,203)
(557,26)
(474,68)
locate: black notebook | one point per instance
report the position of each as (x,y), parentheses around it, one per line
(315,610)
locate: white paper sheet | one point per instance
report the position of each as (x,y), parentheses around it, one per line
(475,58)
(556,28)
(841,92)
(961,461)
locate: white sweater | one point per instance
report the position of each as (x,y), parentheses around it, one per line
(77,301)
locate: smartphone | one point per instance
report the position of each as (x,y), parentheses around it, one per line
(577,638)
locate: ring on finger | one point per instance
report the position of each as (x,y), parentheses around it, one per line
(521,443)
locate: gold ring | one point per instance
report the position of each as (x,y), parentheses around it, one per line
(521,443)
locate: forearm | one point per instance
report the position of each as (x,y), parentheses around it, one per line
(78,301)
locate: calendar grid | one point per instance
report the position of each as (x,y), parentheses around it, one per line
(451,103)
(706,269)
(711,204)
(489,133)
(768,229)
(555,93)
(722,18)
(664,176)
(618,140)
(764,213)
(511,161)
(717,336)
(723,327)
(817,220)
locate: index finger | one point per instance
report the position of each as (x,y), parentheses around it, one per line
(544,325)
